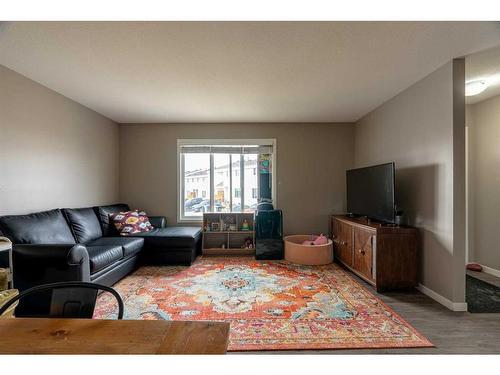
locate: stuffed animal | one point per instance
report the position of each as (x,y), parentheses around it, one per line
(316,240)
(321,240)
(248,243)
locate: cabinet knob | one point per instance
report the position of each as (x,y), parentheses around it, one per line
(361,251)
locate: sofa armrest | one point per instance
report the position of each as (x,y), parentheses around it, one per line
(41,264)
(158,221)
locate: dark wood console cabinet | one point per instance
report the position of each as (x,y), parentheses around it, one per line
(385,256)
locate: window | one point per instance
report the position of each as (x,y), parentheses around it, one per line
(236,182)
(254,193)
(225,172)
(196,165)
(222,183)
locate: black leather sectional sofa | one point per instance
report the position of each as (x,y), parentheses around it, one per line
(83,245)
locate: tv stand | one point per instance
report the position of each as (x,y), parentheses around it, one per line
(366,220)
(385,256)
(355,216)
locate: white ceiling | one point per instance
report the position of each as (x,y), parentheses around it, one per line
(235,71)
(484,66)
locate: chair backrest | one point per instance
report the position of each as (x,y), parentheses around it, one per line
(72,299)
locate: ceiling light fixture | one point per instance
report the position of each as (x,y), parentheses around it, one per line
(475,87)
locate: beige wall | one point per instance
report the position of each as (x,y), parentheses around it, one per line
(418,129)
(53,151)
(484,182)
(311,164)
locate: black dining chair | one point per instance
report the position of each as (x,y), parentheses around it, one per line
(70,299)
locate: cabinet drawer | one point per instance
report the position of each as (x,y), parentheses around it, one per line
(363,252)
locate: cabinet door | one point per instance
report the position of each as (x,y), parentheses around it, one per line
(342,241)
(363,251)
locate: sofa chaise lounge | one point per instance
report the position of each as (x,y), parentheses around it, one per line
(83,245)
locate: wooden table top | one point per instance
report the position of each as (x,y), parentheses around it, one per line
(92,336)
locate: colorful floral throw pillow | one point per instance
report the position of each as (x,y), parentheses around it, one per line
(131,222)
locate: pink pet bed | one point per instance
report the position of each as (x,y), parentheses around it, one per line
(298,251)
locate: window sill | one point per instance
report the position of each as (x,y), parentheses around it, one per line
(190,220)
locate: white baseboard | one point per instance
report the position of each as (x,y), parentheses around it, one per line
(454,306)
(491,271)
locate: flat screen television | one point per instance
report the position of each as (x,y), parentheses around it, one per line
(370,192)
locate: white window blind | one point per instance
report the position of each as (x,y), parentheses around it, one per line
(225,149)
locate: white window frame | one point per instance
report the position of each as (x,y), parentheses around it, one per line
(223,142)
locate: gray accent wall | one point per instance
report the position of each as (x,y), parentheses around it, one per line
(54,152)
(310,171)
(422,130)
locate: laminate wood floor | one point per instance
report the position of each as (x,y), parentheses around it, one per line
(451,332)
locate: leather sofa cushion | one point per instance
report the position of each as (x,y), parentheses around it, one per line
(83,223)
(103,212)
(102,256)
(47,227)
(130,246)
(171,237)
(158,221)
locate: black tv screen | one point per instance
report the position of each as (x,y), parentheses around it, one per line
(370,192)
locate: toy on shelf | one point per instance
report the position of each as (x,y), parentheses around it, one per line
(227,222)
(245,226)
(248,243)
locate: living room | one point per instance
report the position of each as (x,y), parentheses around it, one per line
(248,187)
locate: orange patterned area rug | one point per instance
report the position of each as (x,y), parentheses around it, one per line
(271,305)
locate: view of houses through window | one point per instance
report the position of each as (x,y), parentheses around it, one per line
(234,183)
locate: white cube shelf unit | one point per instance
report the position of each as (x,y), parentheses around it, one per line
(227,233)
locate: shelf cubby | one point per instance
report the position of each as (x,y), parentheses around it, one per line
(218,239)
